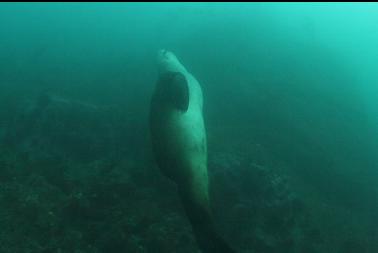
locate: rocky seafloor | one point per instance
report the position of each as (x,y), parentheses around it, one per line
(76,178)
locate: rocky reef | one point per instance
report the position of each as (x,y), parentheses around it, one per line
(76,177)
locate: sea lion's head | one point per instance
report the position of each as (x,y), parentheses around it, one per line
(168,62)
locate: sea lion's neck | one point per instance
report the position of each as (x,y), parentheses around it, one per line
(168,67)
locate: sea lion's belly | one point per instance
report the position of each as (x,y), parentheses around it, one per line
(180,143)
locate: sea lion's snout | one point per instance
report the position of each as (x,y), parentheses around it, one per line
(167,61)
(164,55)
(161,53)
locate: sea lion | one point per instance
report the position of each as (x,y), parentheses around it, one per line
(179,143)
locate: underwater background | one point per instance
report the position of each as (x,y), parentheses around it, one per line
(290,106)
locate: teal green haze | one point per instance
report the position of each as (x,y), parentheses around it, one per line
(290,107)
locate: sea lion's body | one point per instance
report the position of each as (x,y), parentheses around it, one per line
(179,142)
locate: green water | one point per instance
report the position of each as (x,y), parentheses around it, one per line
(290,106)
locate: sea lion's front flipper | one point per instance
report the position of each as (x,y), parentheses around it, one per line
(176,90)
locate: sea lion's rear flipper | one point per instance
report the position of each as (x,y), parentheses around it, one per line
(176,90)
(209,241)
